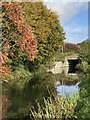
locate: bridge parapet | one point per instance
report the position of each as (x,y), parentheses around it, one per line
(72,57)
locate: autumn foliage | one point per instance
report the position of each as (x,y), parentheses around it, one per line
(4,71)
(27,42)
(72,47)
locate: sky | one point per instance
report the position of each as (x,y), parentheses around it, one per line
(73,17)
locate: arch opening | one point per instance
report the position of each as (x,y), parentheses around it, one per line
(72,65)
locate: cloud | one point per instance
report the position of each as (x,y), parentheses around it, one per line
(66,1)
(77,35)
(65,10)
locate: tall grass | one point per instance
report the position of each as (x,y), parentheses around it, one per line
(59,108)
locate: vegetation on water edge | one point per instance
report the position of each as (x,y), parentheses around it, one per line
(83,105)
(59,107)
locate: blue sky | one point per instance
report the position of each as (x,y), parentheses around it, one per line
(73,17)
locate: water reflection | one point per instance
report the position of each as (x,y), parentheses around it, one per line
(24,94)
(66,90)
(66,79)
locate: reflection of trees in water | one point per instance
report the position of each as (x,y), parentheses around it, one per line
(67,79)
(70,83)
(40,86)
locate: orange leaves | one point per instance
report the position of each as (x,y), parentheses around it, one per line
(27,42)
(13,11)
(4,71)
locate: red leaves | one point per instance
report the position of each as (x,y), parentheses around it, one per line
(71,46)
(27,42)
(5,71)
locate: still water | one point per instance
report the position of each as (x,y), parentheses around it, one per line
(67,81)
(67,90)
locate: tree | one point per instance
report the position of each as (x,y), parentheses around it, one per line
(46,28)
(70,47)
(84,50)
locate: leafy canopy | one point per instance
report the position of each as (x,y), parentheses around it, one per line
(46,28)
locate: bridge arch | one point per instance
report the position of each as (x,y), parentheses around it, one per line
(72,62)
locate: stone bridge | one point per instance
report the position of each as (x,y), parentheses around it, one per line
(68,66)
